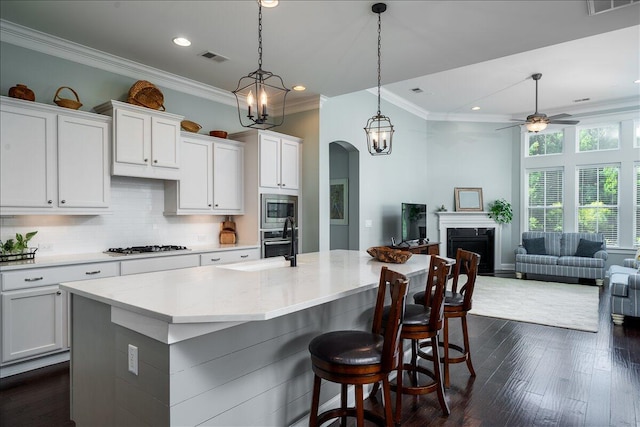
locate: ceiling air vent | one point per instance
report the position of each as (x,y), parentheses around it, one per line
(599,6)
(214,56)
(416,90)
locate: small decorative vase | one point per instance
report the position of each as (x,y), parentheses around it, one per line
(21,91)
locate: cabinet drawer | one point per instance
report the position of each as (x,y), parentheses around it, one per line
(223,257)
(158,264)
(36,277)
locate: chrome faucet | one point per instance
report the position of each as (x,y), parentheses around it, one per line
(292,257)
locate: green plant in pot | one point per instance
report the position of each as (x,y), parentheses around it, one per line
(500,211)
(19,245)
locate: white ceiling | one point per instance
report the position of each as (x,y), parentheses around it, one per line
(460,53)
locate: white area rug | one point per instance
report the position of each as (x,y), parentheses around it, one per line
(547,303)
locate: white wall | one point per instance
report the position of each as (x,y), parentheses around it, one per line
(137,220)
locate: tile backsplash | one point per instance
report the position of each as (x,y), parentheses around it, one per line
(137,218)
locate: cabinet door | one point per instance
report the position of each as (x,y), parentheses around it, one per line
(132,137)
(196,176)
(27,159)
(33,322)
(165,138)
(228,186)
(289,163)
(83,169)
(269,161)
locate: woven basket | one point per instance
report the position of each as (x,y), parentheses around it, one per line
(67,103)
(145,94)
(385,254)
(190,126)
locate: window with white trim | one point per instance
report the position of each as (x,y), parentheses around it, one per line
(598,201)
(543,144)
(636,139)
(598,138)
(544,199)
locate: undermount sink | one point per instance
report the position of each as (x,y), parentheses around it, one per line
(263,264)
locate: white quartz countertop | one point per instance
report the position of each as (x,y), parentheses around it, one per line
(252,290)
(87,258)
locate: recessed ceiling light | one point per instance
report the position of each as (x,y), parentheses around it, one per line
(269,3)
(181,41)
(476,108)
(299,88)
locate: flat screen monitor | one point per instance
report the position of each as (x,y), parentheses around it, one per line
(414,222)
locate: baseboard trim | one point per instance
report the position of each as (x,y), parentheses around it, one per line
(29,365)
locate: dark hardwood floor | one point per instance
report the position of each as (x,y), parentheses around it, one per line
(527,375)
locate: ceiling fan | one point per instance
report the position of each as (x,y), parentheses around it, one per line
(538,121)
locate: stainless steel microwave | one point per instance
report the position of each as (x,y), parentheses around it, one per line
(276,208)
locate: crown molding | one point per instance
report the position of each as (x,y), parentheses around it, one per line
(399,102)
(55,46)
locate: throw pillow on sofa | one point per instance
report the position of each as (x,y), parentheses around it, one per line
(534,246)
(587,248)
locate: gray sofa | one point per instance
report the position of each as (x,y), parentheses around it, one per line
(577,255)
(624,285)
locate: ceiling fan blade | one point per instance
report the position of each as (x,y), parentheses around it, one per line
(564,122)
(559,116)
(519,120)
(512,126)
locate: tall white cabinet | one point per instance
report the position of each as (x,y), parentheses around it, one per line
(54,160)
(279,162)
(211,178)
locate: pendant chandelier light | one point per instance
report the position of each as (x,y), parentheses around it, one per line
(379,128)
(262,92)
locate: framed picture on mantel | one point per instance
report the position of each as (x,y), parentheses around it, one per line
(468,199)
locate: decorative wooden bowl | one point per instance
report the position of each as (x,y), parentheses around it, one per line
(385,254)
(190,126)
(218,133)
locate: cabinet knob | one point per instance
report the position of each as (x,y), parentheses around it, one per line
(216,205)
(155,161)
(59,293)
(284,185)
(49,201)
(209,204)
(146,160)
(63,201)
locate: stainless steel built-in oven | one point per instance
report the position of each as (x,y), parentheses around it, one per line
(273,244)
(276,208)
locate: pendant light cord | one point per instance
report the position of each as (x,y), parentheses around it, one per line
(379,56)
(259,35)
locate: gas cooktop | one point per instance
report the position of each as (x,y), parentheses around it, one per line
(133,250)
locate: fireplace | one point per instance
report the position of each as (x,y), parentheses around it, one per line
(489,261)
(478,240)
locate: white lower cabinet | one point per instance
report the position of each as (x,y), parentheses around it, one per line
(224,257)
(34,322)
(34,309)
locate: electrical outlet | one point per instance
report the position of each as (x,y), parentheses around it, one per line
(45,247)
(368,223)
(133,359)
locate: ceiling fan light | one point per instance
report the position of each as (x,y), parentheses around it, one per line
(536,126)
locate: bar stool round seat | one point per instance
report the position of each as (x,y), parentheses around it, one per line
(361,357)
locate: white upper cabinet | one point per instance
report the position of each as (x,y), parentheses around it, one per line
(228,182)
(54,160)
(146,142)
(279,162)
(211,178)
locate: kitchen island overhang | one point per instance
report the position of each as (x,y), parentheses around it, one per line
(239,360)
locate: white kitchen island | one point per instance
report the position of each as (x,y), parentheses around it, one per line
(223,345)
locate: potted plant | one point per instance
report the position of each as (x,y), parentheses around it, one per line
(500,211)
(11,249)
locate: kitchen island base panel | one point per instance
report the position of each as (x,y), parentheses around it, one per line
(255,373)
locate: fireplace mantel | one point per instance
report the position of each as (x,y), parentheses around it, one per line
(469,220)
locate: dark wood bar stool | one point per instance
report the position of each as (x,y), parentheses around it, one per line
(423,322)
(457,304)
(359,357)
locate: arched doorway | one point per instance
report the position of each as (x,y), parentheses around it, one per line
(344,172)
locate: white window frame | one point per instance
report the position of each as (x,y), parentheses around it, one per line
(596,126)
(545,207)
(548,132)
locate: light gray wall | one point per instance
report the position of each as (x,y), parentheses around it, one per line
(385,181)
(470,154)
